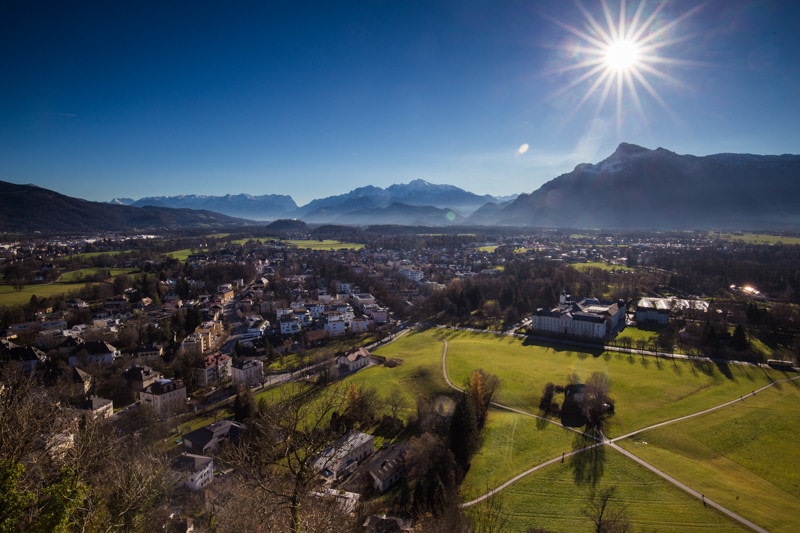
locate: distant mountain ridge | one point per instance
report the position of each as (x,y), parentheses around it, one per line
(633,188)
(264,207)
(28,209)
(417,193)
(636,187)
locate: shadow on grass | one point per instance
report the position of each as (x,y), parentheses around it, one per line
(588,466)
(724,367)
(565,347)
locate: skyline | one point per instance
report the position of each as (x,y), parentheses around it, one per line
(144,99)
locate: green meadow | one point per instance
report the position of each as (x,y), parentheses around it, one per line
(77,276)
(9,296)
(646,391)
(760,238)
(324,245)
(743,457)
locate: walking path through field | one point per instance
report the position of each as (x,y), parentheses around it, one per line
(612,443)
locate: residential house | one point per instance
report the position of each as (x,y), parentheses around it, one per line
(141,377)
(290,325)
(353,360)
(387,467)
(207,439)
(246,373)
(96,407)
(335,327)
(82,380)
(194,343)
(93,352)
(165,396)
(29,357)
(212,369)
(343,456)
(195,472)
(359,325)
(149,352)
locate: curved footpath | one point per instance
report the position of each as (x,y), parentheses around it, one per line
(612,443)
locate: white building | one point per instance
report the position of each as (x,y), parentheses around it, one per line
(588,318)
(165,396)
(194,471)
(335,327)
(246,373)
(344,455)
(354,359)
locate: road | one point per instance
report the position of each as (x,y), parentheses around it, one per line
(612,443)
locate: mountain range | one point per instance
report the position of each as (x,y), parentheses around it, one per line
(350,207)
(634,187)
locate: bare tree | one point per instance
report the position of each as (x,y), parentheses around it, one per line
(606,517)
(278,453)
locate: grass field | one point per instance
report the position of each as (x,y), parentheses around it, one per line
(183,255)
(9,296)
(76,276)
(551,499)
(596,264)
(636,334)
(743,457)
(324,245)
(646,391)
(760,238)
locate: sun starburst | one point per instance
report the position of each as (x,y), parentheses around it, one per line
(620,55)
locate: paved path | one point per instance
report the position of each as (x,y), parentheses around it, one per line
(612,443)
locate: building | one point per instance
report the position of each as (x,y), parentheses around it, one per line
(207,439)
(141,377)
(194,471)
(212,369)
(247,373)
(335,327)
(165,396)
(93,352)
(96,408)
(387,467)
(659,310)
(149,352)
(353,360)
(588,318)
(344,455)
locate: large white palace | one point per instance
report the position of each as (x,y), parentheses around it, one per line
(588,318)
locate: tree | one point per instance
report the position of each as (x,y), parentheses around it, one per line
(244,405)
(278,452)
(739,339)
(481,389)
(596,404)
(14,500)
(606,517)
(432,474)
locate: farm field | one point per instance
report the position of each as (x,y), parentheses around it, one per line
(9,296)
(760,238)
(324,245)
(646,391)
(76,276)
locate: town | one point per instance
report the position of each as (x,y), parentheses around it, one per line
(213,361)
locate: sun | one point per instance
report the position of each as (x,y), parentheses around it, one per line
(622,55)
(619,55)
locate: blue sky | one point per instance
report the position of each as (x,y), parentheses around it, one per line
(137,98)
